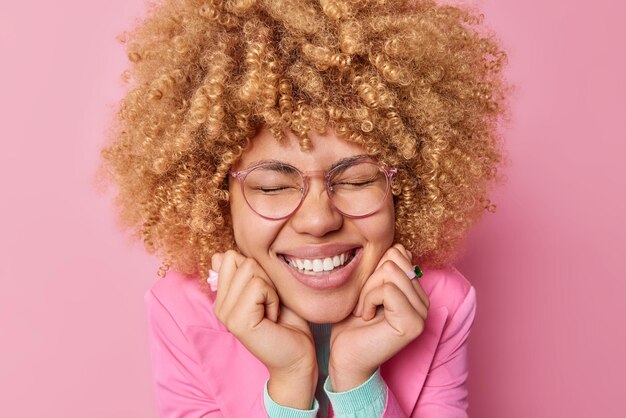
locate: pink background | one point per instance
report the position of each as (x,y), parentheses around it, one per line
(550,334)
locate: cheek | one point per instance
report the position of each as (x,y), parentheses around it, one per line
(383,226)
(241,220)
(253,234)
(379,232)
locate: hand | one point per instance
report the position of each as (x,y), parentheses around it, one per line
(389,314)
(248,305)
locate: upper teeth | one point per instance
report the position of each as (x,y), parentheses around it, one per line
(318,264)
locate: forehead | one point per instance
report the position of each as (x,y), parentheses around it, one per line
(326,149)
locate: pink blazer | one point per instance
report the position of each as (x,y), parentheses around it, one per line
(201,370)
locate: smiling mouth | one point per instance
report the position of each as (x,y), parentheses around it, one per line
(320,266)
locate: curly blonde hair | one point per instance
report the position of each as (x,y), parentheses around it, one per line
(417,84)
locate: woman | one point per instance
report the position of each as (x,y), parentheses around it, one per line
(303,156)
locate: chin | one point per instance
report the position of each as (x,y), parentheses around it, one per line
(325,313)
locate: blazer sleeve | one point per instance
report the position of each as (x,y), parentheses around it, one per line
(179,380)
(444,394)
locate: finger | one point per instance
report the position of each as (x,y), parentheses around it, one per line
(216,261)
(407,267)
(391,273)
(397,254)
(397,309)
(229,264)
(420,292)
(400,256)
(247,270)
(271,303)
(411,288)
(399,324)
(291,319)
(256,303)
(265,298)
(418,287)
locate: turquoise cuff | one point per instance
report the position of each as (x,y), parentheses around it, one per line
(368,399)
(275,410)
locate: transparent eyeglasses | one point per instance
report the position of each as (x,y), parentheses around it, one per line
(276,190)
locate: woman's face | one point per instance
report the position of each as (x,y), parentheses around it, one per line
(316,231)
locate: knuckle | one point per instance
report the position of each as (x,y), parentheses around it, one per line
(248,266)
(230,254)
(248,263)
(389,287)
(230,325)
(257,283)
(415,327)
(218,313)
(394,251)
(401,248)
(418,328)
(389,266)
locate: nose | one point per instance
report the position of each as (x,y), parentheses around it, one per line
(316,215)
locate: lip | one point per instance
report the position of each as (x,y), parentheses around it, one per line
(328,281)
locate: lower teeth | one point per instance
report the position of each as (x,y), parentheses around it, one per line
(319,272)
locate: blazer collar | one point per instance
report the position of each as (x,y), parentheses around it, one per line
(236,378)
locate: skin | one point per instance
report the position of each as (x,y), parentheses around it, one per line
(375,313)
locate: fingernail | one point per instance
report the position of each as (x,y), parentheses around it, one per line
(212,280)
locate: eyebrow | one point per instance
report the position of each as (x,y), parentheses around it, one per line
(346,160)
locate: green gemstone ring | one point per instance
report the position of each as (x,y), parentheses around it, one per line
(416,272)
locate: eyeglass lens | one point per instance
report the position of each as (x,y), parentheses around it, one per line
(275,190)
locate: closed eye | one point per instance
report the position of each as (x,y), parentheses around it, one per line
(275,189)
(354,183)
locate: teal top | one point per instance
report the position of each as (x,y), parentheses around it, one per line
(365,401)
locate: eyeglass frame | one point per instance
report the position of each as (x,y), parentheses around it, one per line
(388,171)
